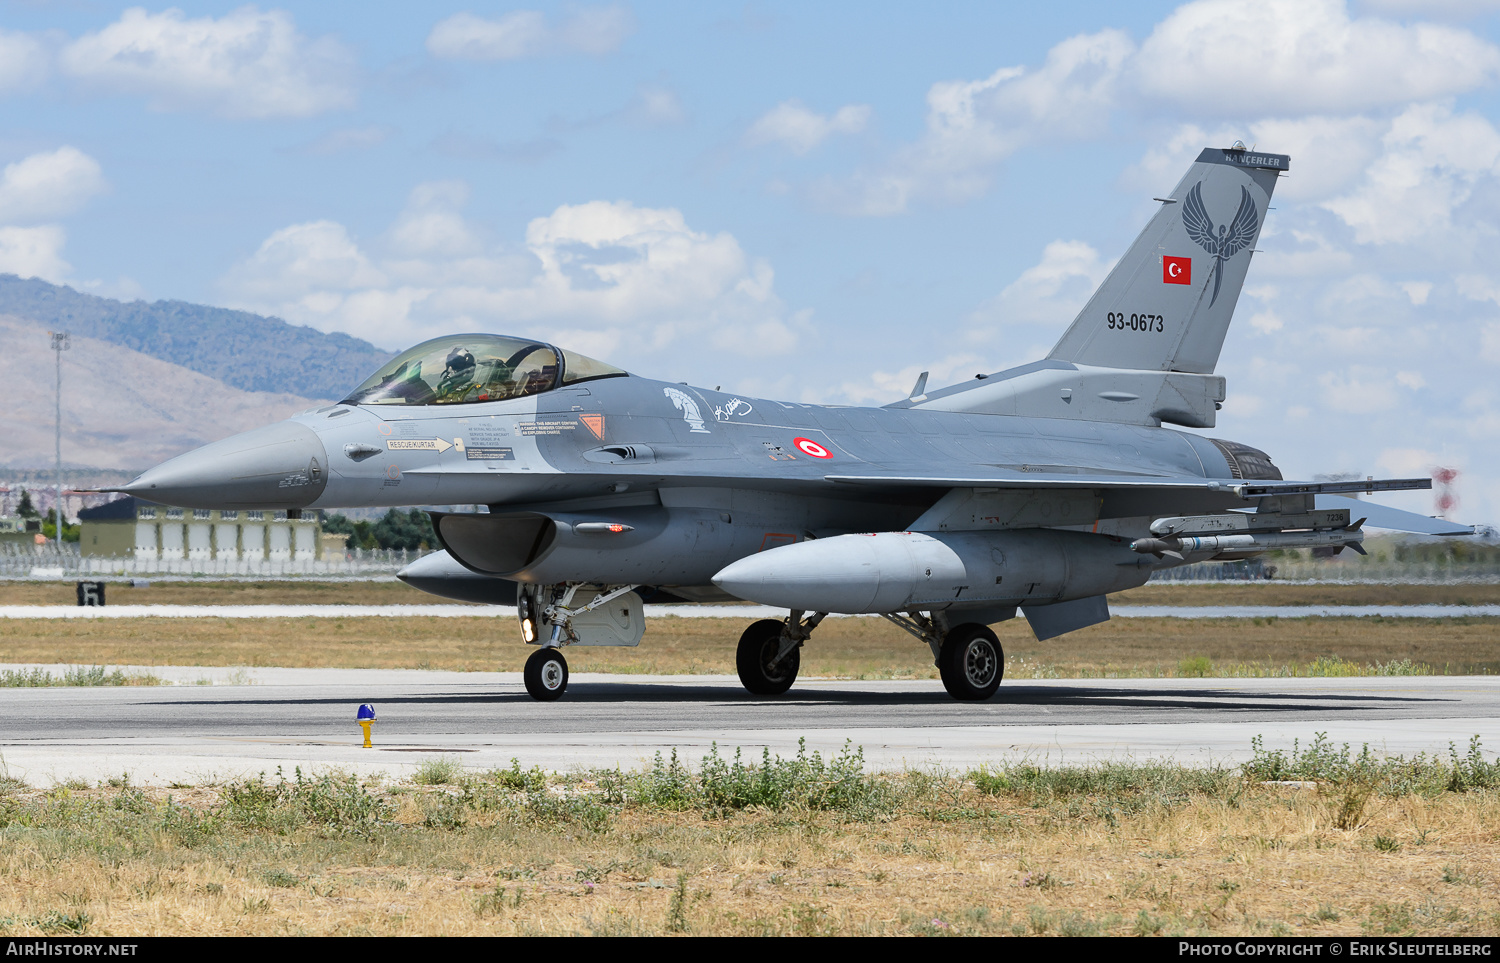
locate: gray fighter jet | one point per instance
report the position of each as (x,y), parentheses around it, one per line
(1039,489)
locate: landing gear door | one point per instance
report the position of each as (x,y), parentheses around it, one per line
(620,621)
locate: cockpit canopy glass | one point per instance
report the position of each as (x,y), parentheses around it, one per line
(468,368)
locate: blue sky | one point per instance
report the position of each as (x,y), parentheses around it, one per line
(812,202)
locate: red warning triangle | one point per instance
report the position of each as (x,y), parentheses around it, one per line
(594,423)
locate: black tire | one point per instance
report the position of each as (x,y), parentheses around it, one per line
(546,675)
(758,646)
(971,662)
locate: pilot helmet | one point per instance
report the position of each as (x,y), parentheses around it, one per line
(459,359)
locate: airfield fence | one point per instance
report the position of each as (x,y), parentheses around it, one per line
(1373,570)
(49,562)
(22,561)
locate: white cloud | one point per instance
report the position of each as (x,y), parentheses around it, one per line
(1489,342)
(48,184)
(24,62)
(1433,9)
(1266,322)
(1328,153)
(40,187)
(526,33)
(1051,292)
(596,30)
(883,387)
(657,105)
(34,252)
(800,129)
(302,265)
(1362,390)
(1428,166)
(1408,462)
(1477,287)
(973,125)
(1307,254)
(1167,157)
(1299,76)
(1417,291)
(464,36)
(1298,57)
(347,139)
(433,224)
(247,63)
(602,276)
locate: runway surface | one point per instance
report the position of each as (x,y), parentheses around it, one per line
(189,733)
(706,611)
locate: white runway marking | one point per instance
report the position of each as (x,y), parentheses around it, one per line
(703,611)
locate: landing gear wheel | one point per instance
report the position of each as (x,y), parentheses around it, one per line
(546,675)
(971,663)
(758,646)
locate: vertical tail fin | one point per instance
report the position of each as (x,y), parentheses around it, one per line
(1166,306)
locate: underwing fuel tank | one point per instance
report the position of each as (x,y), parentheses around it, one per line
(904,571)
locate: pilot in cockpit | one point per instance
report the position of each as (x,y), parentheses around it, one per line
(471,368)
(457,377)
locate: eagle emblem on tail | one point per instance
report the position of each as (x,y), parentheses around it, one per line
(1230,239)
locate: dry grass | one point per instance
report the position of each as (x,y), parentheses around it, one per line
(280,592)
(1146,851)
(843,648)
(392,592)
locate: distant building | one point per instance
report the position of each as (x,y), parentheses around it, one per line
(14,528)
(130,527)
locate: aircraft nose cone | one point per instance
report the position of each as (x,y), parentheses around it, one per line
(279,466)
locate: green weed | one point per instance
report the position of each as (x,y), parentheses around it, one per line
(438,772)
(77,675)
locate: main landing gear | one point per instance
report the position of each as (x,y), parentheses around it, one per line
(971,663)
(969,657)
(769,653)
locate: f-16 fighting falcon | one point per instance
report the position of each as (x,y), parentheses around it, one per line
(1039,489)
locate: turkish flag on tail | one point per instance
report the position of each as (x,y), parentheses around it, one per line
(1177,270)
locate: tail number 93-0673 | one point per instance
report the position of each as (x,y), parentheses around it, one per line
(1119,321)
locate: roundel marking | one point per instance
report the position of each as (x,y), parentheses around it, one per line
(809,447)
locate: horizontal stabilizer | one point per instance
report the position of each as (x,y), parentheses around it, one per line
(1393,519)
(1267,489)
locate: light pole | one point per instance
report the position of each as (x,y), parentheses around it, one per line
(59,345)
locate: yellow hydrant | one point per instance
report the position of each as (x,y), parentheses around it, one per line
(365,717)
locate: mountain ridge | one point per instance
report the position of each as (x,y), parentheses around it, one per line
(248,351)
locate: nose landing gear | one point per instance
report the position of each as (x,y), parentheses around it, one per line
(546,675)
(549,619)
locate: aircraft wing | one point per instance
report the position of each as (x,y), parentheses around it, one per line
(1326,495)
(1241,488)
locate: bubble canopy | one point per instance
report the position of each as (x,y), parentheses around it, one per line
(470,368)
